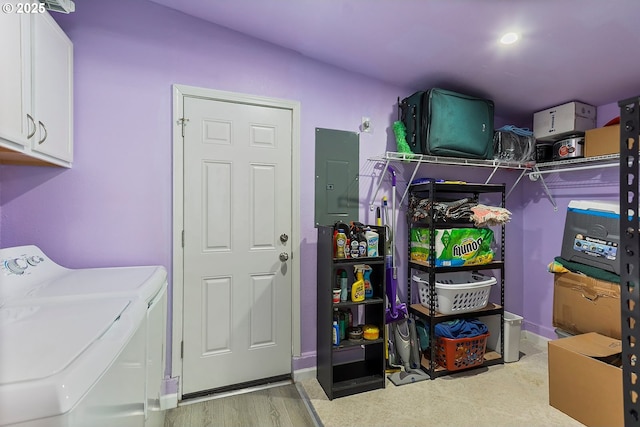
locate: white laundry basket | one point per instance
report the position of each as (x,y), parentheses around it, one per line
(457,292)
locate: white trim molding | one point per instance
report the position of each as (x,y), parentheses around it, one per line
(179,92)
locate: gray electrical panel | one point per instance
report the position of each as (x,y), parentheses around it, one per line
(337,168)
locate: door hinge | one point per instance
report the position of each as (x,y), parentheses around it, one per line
(183,238)
(181,349)
(183,123)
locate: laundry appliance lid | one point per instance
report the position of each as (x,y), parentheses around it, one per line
(140,282)
(40,277)
(41,341)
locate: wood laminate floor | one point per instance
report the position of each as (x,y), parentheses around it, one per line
(280,406)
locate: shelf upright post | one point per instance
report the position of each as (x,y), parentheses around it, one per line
(502,270)
(432,280)
(630,257)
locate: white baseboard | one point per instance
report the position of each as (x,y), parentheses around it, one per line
(535,339)
(304,374)
(169,401)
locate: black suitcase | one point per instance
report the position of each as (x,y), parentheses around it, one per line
(440,122)
(412,116)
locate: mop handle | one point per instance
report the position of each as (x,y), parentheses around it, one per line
(393,221)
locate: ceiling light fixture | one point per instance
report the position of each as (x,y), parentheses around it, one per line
(509,38)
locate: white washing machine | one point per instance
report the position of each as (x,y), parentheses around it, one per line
(80,347)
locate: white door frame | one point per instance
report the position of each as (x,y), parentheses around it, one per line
(180,91)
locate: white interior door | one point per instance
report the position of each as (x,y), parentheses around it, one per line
(237,286)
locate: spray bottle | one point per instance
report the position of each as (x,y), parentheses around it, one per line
(357,289)
(368,289)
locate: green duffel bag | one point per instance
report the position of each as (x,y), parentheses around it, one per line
(449,124)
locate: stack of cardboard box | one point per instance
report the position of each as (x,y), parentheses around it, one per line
(585,375)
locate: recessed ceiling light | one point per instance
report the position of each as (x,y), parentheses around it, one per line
(509,38)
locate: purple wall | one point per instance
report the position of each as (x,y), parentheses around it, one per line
(544,227)
(114,206)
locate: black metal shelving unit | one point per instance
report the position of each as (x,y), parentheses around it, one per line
(434,191)
(363,366)
(630,256)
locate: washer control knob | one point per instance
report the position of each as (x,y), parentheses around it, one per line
(17,265)
(34,260)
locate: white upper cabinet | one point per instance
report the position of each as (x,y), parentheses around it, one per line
(52,86)
(15,69)
(36,97)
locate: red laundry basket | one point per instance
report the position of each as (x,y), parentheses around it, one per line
(461,353)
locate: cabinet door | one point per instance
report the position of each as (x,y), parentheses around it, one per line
(15,84)
(52,57)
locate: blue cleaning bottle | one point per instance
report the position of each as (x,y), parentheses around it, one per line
(336,333)
(368,289)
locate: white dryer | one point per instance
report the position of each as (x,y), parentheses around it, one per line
(80,347)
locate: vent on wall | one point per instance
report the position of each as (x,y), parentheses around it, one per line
(64,6)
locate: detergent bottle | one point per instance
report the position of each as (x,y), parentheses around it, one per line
(340,244)
(362,244)
(372,239)
(368,289)
(357,289)
(354,248)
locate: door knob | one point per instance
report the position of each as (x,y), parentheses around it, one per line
(284,256)
(284,238)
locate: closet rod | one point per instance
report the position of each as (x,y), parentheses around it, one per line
(533,175)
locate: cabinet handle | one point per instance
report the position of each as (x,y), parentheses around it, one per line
(45,132)
(33,122)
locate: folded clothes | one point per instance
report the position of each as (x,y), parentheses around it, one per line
(461,328)
(445,211)
(484,215)
(458,211)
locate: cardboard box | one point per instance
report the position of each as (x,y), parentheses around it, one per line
(555,123)
(585,380)
(602,141)
(583,304)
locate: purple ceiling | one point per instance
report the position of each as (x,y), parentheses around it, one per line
(585,50)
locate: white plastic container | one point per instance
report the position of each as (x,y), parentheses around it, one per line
(512,331)
(372,243)
(457,292)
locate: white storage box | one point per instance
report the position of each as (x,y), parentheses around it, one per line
(457,292)
(554,123)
